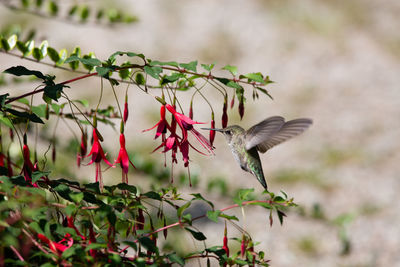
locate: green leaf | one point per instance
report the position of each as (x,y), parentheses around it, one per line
(53,54)
(73,10)
(85,13)
(153,71)
(76,196)
(5,121)
(21,47)
(213,215)
(39,3)
(70,209)
(63,55)
(130,188)
(148,244)
(90,60)
(43,48)
(139,79)
(190,66)
(162,63)
(53,8)
(257,77)
(153,195)
(39,110)
(129,54)
(198,196)
(30,45)
(280,216)
(3,99)
(21,71)
(83,102)
(231,69)
(102,71)
(4,44)
(229,217)
(54,91)
(175,258)
(12,41)
(56,108)
(172,78)
(30,116)
(208,67)
(265,92)
(36,54)
(95,246)
(63,191)
(182,208)
(36,175)
(197,235)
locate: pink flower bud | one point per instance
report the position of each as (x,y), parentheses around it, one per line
(126,112)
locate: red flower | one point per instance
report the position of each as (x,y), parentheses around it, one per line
(161,125)
(186,124)
(212,133)
(224,115)
(82,148)
(123,159)
(56,247)
(28,167)
(126,110)
(241,107)
(97,154)
(225,243)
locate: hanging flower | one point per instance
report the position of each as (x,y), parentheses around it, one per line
(83,148)
(212,133)
(186,124)
(123,159)
(57,247)
(126,110)
(224,115)
(98,155)
(28,167)
(161,125)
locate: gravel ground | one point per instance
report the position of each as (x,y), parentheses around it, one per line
(336,62)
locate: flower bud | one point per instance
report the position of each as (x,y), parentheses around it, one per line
(126,110)
(224,115)
(212,133)
(191,110)
(241,107)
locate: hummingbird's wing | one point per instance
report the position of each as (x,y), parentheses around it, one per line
(263,131)
(288,130)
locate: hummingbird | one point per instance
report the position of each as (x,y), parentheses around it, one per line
(270,132)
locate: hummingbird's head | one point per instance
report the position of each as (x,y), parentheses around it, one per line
(229,132)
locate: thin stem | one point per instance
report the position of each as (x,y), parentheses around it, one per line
(116,99)
(17,253)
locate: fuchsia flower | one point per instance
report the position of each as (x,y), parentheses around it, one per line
(97,154)
(126,110)
(186,124)
(56,247)
(174,141)
(123,159)
(82,148)
(161,125)
(28,167)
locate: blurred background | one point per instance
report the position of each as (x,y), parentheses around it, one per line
(337,62)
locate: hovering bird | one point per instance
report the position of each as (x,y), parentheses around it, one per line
(261,137)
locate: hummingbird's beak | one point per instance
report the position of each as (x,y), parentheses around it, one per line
(212,129)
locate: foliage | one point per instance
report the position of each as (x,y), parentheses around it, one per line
(48,220)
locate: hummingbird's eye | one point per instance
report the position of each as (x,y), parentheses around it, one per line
(229,132)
